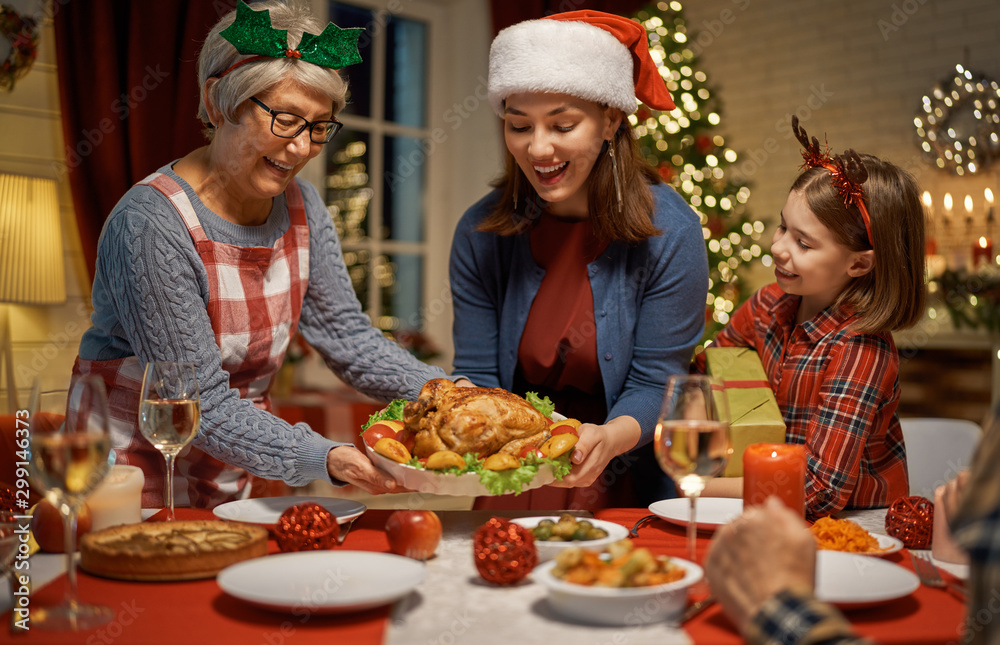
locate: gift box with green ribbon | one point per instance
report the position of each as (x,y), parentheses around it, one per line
(752,407)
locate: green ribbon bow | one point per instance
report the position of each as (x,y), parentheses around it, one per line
(252,33)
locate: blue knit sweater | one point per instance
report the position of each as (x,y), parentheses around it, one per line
(649,305)
(150,297)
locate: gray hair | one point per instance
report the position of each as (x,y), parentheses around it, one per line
(236,87)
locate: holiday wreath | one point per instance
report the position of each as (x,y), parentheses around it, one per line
(21,35)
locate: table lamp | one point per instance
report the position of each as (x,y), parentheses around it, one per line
(31,256)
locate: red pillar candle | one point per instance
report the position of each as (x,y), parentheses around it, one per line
(777,469)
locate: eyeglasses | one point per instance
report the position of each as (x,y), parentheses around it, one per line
(288,125)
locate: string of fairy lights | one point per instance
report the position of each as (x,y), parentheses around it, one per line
(694,159)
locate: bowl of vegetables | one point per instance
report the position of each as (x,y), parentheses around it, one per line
(621,586)
(555,533)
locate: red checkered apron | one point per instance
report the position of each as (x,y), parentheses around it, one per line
(255,298)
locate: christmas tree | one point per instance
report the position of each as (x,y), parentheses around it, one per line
(692,156)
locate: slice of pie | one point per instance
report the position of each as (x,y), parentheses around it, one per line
(179,550)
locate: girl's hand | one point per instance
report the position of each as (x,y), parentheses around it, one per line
(350,465)
(597,446)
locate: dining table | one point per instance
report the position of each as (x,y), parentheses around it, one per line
(453,605)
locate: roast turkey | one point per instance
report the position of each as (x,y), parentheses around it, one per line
(483,420)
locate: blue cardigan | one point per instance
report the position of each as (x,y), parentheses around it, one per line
(649,305)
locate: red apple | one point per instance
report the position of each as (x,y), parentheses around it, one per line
(47,526)
(415,534)
(381,429)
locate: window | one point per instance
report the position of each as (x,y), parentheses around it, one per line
(376,178)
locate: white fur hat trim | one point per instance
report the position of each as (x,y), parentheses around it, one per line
(564,57)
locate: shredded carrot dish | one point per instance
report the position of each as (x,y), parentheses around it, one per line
(843,535)
(626,567)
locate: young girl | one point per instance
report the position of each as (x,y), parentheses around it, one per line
(849,269)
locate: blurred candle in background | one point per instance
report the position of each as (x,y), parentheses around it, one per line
(777,469)
(118,500)
(930,245)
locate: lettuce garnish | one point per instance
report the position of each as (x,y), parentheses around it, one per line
(541,403)
(392,412)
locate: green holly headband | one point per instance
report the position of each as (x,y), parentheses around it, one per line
(252,33)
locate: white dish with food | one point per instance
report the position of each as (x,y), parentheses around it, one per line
(618,606)
(887,545)
(851,580)
(548,549)
(443,483)
(323,582)
(267,510)
(710,514)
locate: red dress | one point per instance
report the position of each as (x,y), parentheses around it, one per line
(557,356)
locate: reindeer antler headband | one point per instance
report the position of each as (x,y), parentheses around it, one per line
(847,172)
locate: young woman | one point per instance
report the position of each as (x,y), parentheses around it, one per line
(849,269)
(581,277)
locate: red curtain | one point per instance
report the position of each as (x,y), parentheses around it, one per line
(509,12)
(129,93)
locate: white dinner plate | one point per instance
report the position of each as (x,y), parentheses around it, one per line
(710,514)
(852,580)
(322,582)
(267,510)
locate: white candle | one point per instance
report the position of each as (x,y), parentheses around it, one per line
(118,500)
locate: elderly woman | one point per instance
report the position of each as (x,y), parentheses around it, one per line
(582,276)
(221,257)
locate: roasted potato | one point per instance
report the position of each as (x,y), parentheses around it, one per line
(501,461)
(392,449)
(558,444)
(445,459)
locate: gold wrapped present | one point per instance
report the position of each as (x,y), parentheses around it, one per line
(752,407)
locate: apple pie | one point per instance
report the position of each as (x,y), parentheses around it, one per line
(178,550)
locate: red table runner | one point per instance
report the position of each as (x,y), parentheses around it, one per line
(199,611)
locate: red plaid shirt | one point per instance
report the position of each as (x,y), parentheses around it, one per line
(838,391)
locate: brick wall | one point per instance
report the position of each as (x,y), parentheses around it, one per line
(855,71)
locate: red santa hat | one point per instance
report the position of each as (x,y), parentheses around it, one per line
(593,55)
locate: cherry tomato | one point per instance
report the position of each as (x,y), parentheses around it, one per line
(415,534)
(379,430)
(563,428)
(530,450)
(407,438)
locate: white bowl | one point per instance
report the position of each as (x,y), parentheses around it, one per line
(548,549)
(612,606)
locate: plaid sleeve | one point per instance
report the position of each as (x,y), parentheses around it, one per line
(849,456)
(797,619)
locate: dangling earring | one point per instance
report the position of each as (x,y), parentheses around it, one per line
(515,200)
(614,172)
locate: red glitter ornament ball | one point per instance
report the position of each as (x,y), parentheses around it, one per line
(504,552)
(306,527)
(911,520)
(8,501)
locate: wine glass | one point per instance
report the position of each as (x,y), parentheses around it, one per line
(70,446)
(169,412)
(692,442)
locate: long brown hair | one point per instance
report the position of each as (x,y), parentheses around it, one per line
(633,223)
(891,296)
